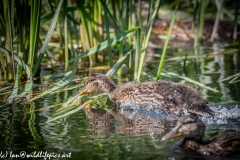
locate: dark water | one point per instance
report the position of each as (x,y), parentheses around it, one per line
(123,134)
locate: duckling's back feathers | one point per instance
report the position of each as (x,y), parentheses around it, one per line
(170,96)
(227,144)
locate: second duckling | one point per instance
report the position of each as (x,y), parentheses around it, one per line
(192,129)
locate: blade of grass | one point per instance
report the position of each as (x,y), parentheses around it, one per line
(110,55)
(137,52)
(203,4)
(166,73)
(5,88)
(15,89)
(64,110)
(146,38)
(67,79)
(71,112)
(112,17)
(109,13)
(105,44)
(9,37)
(166,42)
(48,37)
(117,65)
(86,27)
(216,23)
(171,74)
(124,15)
(28,86)
(34,29)
(65,35)
(231,78)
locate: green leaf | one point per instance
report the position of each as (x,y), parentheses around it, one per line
(167,74)
(71,112)
(29,83)
(147,35)
(116,66)
(15,89)
(48,37)
(67,78)
(166,42)
(105,44)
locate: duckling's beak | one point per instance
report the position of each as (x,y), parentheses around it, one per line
(172,134)
(85,91)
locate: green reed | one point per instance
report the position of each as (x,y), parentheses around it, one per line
(150,21)
(166,42)
(96,27)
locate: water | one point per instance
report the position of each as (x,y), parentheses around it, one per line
(124,134)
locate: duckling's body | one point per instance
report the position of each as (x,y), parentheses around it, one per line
(192,128)
(173,97)
(227,144)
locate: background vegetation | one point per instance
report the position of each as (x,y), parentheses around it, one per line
(66,34)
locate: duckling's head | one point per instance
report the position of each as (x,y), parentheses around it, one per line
(99,83)
(190,127)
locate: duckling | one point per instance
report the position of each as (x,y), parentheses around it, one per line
(192,128)
(172,97)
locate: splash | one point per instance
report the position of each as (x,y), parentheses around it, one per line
(131,110)
(224,114)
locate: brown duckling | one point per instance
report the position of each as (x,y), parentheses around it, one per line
(192,128)
(172,97)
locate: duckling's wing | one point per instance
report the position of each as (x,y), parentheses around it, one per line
(193,102)
(225,144)
(221,145)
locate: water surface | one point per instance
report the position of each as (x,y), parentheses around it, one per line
(125,134)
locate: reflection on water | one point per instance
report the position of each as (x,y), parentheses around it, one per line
(102,122)
(126,134)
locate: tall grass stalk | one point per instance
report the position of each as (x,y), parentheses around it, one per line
(235,30)
(150,22)
(106,22)
(137,52)
(109,51)
(216,23)
(124,23)
(84,28)
(166,42)
(65,35)
(34,31)
(138,39)
(131,40)
(9,38)
(110,14)
(89,26)
(48,37)
(201,20)
(117,65)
